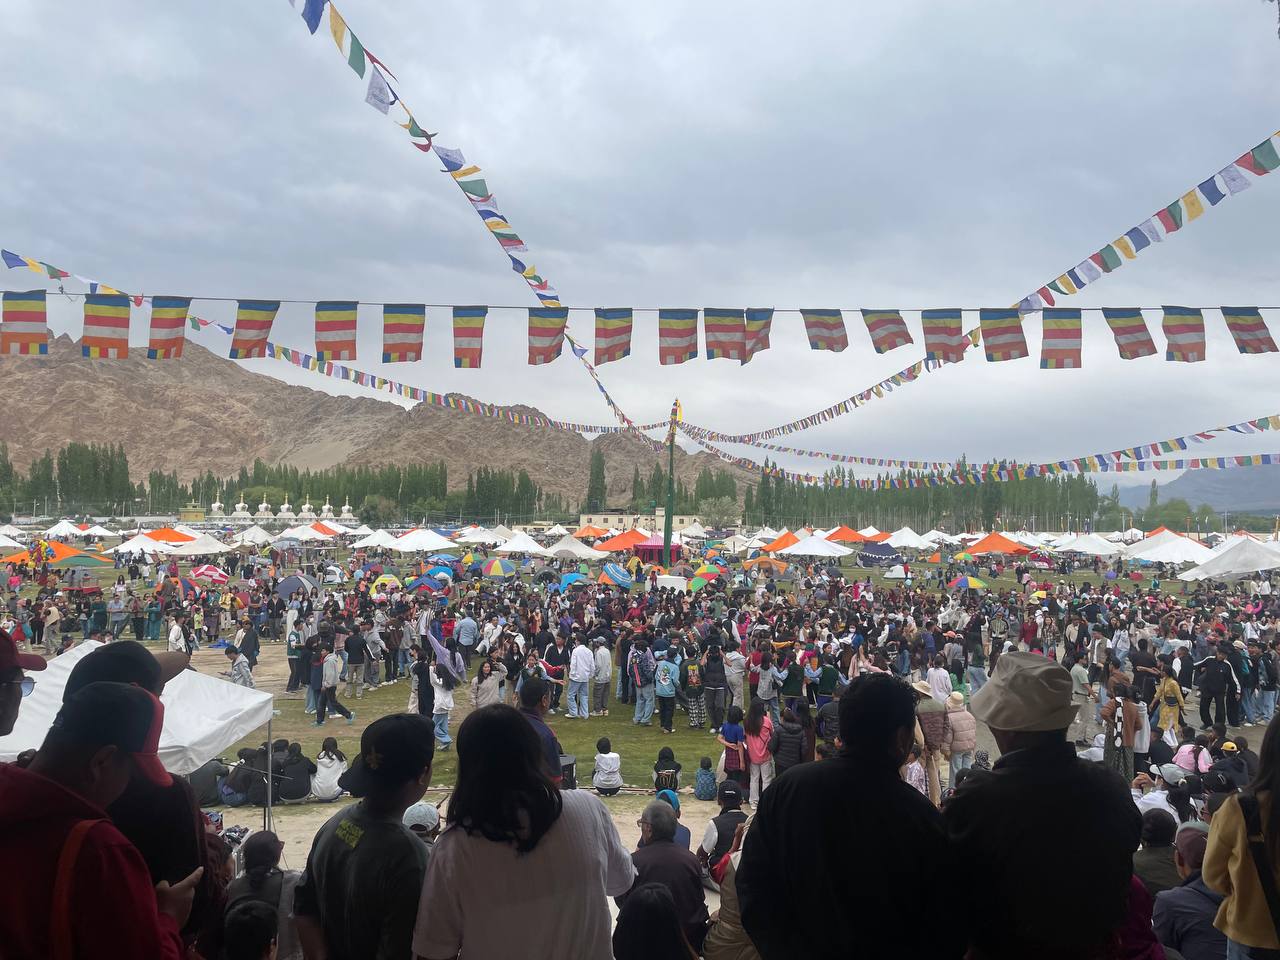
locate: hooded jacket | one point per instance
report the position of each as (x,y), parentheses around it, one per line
(111,903)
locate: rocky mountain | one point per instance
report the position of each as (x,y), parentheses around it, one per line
(1252,490)
(206,413)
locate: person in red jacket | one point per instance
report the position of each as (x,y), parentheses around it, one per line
(85,891)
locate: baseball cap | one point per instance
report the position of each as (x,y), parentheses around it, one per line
(1191,840)
(422,815)
(393,750)
(1229,746)
(730,794)
(119,715)
(669,796)
(125,661)
(1171,773)
(12,659)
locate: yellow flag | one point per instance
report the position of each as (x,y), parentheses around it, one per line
(1124,246)
(1191,204)
(465,172)
(1065,282)
(32,265)
(337,26)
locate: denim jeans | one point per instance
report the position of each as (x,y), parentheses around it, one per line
(343,674)
(1238,951)
(579,699)
(1266,705)
(1248,706)
(441,721)
(644,704)
(977,679)
(959,761)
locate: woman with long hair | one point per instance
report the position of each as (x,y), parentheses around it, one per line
(759,733)
(648,927)
(1168,698)
(510,829)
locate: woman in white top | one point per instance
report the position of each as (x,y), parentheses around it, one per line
(331,763)
(550,860)
(939,680)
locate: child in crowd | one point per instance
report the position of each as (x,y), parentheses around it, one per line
(914,773)
(250,931)
(607,775)
(331,763)
(704,782)
(666,772)
(733,738)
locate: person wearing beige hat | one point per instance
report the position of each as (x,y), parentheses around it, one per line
(1040,805)
(931,731)
(961,738)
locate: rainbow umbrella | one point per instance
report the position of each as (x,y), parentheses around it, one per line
(967,583)
(963,556)
(617,575)
(697,583)
(708,570)
(498,569)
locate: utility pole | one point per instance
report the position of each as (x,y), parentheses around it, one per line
(671,483)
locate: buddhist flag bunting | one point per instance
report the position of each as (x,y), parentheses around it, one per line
(336,330)
(106,326)
(402,326)
(1262,159)
(1191,205)
(168,327)
(1060,342)
(725,332)
(677,336)
(944,339)
(1184,333)
(887,329)
(1249,330)
(1002,334)
(546,333)
(24,330)
(1129,328)
(756,329)
(825,329)
(468,336)
(253,328)
(613,334)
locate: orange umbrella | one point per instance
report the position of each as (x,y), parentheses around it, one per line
(935,558)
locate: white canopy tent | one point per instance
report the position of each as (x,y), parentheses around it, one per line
(97,530)
(1236,538)
(694,531)
(203,715)
(421,540)
(503,532)
(63,528)
(141,543)
(813,547)
(481,536)
(868,531)
(522,543)
(9,543)
(1243,558)
(336,527)
(1171,549)
(896,572)
(362,531)
(735,544)
(305,533)
(1132,535)
(938,537)
(1155,540)
(379,538)
(906,538)
(768,534)
(9,530)
(557,531)
(203,545)
(1091,545)
(253,536)
(574,549)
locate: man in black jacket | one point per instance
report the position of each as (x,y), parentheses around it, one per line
(1216,679)
(802,829)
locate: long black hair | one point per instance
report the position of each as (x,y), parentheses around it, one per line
(755,718)
(649,928)
(1267,780)
(503,791)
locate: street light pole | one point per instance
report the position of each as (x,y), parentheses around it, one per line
(671,483)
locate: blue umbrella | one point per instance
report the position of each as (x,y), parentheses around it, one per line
(441,571)
(571,578)
(618,575)
(441,558)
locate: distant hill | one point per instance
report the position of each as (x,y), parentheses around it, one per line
(206,413)
(1246,490)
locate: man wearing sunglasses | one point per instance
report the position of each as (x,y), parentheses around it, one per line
(14,683)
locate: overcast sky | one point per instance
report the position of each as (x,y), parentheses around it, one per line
(885,155)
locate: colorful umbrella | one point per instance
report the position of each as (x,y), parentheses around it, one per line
(387,580)
(709,570)
(441,558)
(441,573)
(697,583)
(963,556)
(208,571)
(569,579)
(1040,594)
(498,569)
(967,583)
(424,583)
(617,575)
(468,558)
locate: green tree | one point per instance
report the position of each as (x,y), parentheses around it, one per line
(596,489)
(718,512)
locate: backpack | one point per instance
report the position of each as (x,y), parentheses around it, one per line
(644,670)
(666,780)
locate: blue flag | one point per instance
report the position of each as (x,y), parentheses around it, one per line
(12,259)
(312,11)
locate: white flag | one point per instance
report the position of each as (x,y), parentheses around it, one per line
(1234,179)
(379,96)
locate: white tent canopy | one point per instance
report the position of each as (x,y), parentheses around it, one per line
(568,546)
(1235,538)
(768,534)
(336,527)
(937,536)
(557,531)
(203,715)
(522,543)
(1170,549)
(362,531)
(9,543)
(501,531)
(908,539)
(694,531)
(422,540)
(253,536)
(141,543)
(9,530)
(1132,535)
(868,531)
(480,535)
(97,530)
(1245,557)
(813,547)
(304,533)
(1091,545)
(203,545)
(63,528)
(735,544)
(1151,542)
(896,572)
(379,538)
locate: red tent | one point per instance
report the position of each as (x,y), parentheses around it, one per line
(997,543)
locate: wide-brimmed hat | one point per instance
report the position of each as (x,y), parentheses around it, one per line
(923,688)
(1028,693)
(955,699)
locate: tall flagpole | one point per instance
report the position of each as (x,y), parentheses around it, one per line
(671,483)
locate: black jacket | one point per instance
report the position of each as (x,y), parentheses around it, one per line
(1215,676)
(678,870)
(1183,920)
(790,746)
(296,778)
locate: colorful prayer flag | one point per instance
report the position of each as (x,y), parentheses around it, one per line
(12,260)
(677,336)
(887,329)
(1184,334)
(1061,339)
(312,10)
(1171,217)
(1139,239)
(1107,258)
(168,327)
(1261,160)
(106,326)
(1122,244)
(24,329)
(336,330)
(1249,330)
(613,334)
(546,333)
(253,328)
(1236,181)
(757,326)
(1191,205)
(402,326)
(1002,335)
(944,339)
(1212,192)
(825,329)
(468,336)
(725,332)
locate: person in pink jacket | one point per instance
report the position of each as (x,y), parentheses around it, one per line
(961,738)
(759,734)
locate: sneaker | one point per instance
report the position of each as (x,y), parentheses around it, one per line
(318,723)
(351,719)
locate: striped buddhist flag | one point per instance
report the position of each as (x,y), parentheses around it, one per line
(613,334)
(402,326)
(1248,330)
(725,332)
(24,329)
(468,336)
(336,330)
(1002,334)
(1184,335)
(546,333)
(677,336)
(1261,160)
(106,326)
(1060,340)
(756,329)
(944,339)
(168,331)
(887,329)
(253,328)
(1129,328)
(825,329)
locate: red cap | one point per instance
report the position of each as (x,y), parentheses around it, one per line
(11,658)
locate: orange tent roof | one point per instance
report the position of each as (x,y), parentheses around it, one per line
(321,528)
(843,534)
(786,540)
(997,543)
(623,541)
(169,535)
(589,531)
(60,552)
(1162,530)
(935,557)
(879,537)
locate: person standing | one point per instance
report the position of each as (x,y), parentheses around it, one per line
(582,665)
(961,738)
(328,700)
(600,677)
(1216,681)
(640,667)
(758,729)
(442,684)
(467,633)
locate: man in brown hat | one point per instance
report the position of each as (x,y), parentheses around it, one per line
(1040,813)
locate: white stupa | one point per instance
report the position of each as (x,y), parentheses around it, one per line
(286,511)
(346,510)
(241,511)
(215,511)
(306,513)
(326,512)
(264,511)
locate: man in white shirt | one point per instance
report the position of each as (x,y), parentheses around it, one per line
(177,639)
(582,665)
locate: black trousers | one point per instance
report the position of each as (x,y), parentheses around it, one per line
(666,711)
(1219,701)
(329,701)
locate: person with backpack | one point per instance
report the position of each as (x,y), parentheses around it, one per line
(640,667)
(666,771)
(264,882)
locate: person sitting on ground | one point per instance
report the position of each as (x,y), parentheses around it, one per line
(704,782)
(331,764)
(296,773)
(1230,764)
(666,771)
(264,882)
(606,776)
(1183,917)
(649,928)
(661,859)
(1153,864)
